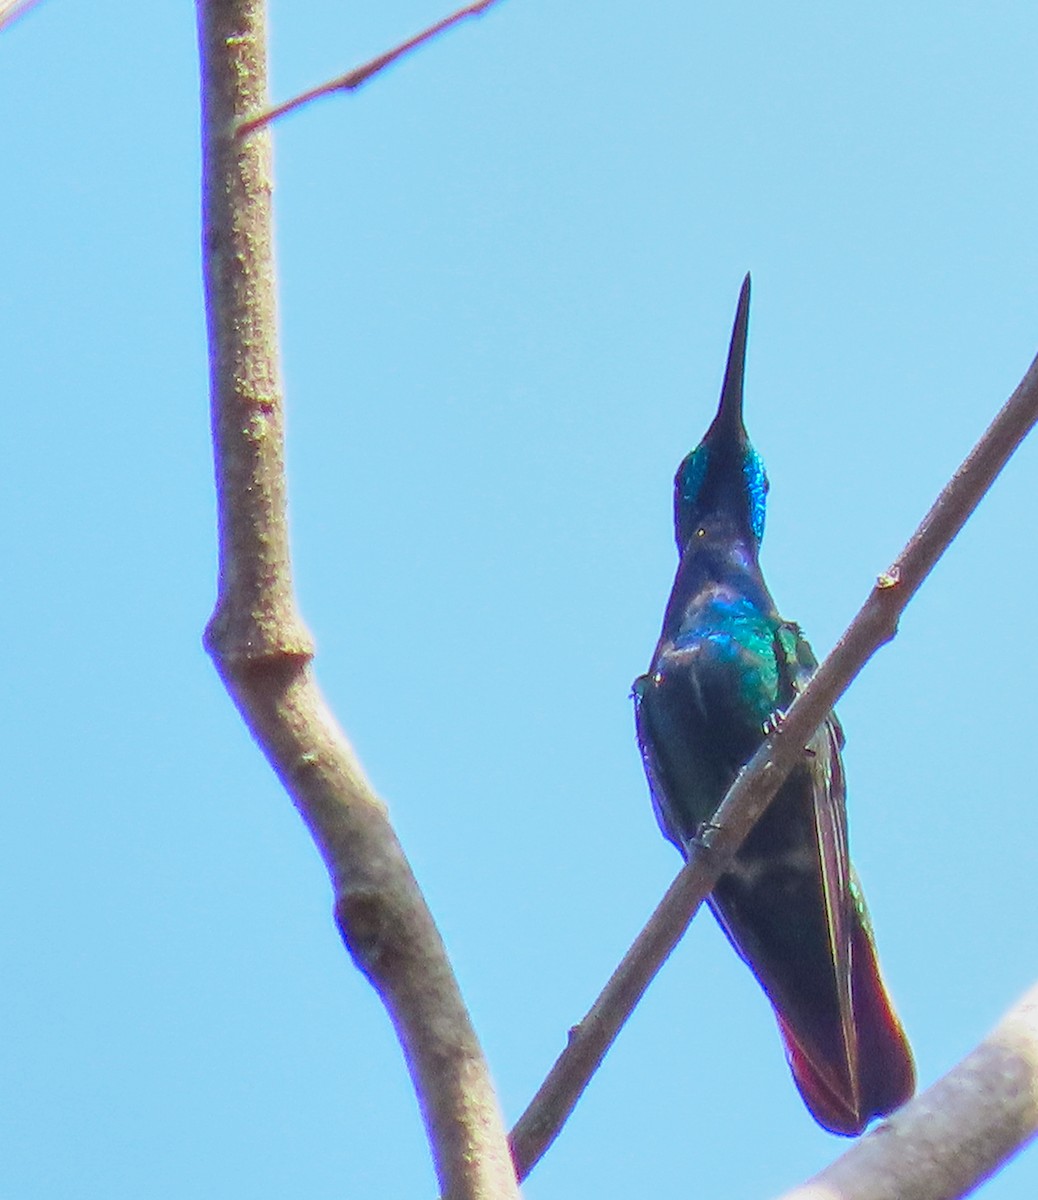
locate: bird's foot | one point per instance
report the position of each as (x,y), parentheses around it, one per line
(773,722)
(700,840)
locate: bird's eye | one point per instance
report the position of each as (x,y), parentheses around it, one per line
(700,532)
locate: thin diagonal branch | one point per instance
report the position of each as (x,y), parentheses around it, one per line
(360,75)
(263,651)
(760,779)
(13,10)
(985,1110)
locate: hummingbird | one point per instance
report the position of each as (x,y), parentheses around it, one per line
(724,670)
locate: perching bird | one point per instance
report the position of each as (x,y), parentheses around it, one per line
(726,665)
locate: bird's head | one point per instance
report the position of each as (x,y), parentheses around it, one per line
(720,488)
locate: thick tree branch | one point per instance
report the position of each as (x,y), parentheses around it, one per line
(353,79)
(749,796)
(263,651)
(957,1133)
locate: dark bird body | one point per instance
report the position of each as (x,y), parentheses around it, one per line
(726,665)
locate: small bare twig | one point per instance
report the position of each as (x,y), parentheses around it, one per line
(263,651)
(12,10)
(983,1111)
(359,75)
(759,780)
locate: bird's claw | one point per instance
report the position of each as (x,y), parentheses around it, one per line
(773,722)
(701,838)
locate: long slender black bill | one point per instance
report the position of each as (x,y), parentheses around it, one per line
(729,412)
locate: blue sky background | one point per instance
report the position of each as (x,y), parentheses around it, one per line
(508,269)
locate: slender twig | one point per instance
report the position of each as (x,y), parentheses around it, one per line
(983,1111)
(12,10)
(263,651)
(749,796)
(359,75)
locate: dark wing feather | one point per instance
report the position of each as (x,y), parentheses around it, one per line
(786,906)
(791,908)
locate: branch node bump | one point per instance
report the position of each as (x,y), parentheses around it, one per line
(360,913)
